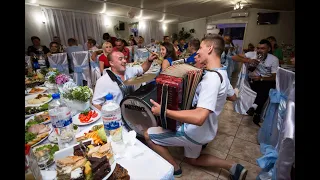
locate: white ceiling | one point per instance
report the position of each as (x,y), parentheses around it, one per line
(167,10)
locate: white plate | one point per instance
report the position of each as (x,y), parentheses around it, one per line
(54,139)
(76,121)
(32,117)
(44,89)
(51,129)
(32,97)
(69,152)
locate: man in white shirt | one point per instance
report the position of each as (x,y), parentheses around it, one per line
(118,67)
(263,77)
(200,124)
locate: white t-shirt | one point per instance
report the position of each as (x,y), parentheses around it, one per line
(210,94)
(269,66)
(105,85)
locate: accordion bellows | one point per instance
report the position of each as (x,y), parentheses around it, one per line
(182,81)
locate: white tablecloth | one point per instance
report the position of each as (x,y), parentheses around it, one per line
(148,166)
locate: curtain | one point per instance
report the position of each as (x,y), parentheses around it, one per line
(69,24)
(150,29)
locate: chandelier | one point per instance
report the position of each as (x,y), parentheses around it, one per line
(238,5)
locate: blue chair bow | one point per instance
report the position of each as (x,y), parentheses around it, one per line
(94,64)
(79,71)
(60,67)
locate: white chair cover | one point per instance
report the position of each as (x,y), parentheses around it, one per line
(278,127)
(94,69)
(286,146)
(246,96)
(81,67)
(95,73)
(60,62)
(130,52)
(140,54)
(27,59)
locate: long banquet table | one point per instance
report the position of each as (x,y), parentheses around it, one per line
(145,165)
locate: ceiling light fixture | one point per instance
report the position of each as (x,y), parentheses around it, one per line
(238,5)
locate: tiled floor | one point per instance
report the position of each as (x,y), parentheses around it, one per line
(236,140)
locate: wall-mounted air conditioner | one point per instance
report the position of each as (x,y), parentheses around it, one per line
(239,14)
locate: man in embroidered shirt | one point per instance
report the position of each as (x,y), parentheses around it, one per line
(120,47)
(200,124)
(105,84)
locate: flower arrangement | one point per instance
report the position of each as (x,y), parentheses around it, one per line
(51,75)
(79,93)
(61,79)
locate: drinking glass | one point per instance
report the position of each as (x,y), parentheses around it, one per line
(42,158)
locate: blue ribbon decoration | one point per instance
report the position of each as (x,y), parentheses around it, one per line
(79,71)
(60,67)
(268,135)
(94,64)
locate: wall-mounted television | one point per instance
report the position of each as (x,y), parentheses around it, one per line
(268,18)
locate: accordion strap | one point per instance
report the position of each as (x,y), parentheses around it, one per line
(220,76)
(164,99)
(115,79)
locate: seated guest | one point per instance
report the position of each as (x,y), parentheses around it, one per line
(168,53)
(153,43)
(263,78)
(118,67)
(36,47)
(72,47)
(91,45)
(120,47)
(107,38)
(125,42)
(199,125)
(55,48)
(133,42)
(85,45)
(166,39)
(62,47)
(182,45)
(226,56)
(176,48)
(193,47)
(250,48)
(140,42)
(276,50)
(103,59)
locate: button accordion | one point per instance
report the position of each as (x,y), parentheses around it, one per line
(176,87)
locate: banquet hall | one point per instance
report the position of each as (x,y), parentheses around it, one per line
(71,47)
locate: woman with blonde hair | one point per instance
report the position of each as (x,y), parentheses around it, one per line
(103,59)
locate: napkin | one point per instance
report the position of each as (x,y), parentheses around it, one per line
(48,175)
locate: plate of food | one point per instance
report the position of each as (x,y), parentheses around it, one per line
(35,132)
(86,117)
(53,136)
(37,90)
(42,117)
(85,161)
(96,133)
(37,100)
(51,148)
(30,111)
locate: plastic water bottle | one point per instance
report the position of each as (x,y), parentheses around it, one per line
(112,121)
(61,120)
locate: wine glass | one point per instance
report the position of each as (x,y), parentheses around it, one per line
(42,158)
